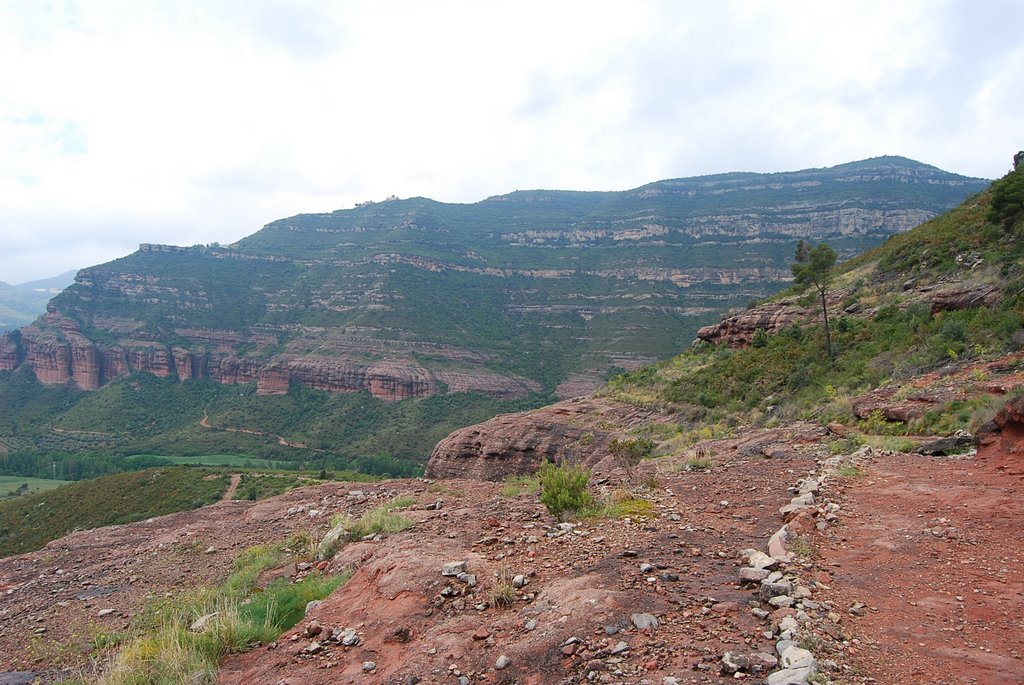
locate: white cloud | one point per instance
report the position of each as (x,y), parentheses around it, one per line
(191,122)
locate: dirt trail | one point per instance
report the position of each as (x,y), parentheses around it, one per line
(236,478)
(933,547)
(205,423)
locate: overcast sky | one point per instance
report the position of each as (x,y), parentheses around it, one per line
(191,122)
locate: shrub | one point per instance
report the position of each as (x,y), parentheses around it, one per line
(564,489)
(628,452)
(1007,199)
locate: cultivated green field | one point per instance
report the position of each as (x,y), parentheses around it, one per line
(217,460)
(10,484)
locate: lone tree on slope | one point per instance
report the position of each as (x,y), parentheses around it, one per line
(813,266)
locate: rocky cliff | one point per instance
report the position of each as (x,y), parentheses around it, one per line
(58,353)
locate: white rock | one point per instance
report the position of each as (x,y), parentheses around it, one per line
(453,568)
(790,676)
(797,657)
(644,621)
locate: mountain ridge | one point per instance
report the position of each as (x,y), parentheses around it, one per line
(514,299)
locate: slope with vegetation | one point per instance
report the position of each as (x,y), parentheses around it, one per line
(30,521)
(927,335)
(946,296)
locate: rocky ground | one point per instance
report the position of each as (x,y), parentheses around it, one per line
(892,568)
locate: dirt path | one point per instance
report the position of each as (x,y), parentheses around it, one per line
(236,478)
(933,547)
(205,423)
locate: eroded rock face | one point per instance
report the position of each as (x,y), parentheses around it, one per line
(891,407)
(517,444)
(739,330)
(965,296)
(57,352)
(10,353)
(1002,439)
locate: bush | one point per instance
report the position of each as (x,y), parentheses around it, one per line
(1007,205)
(628,452)
(564,489)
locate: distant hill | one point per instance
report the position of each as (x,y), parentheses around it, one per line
(21,304)
(461,310)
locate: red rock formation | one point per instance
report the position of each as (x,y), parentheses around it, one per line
(55,349)
(232,370)
(390,380)
(325,373)
(1001,441)
(487,383)
(516,444)
(10,355)
(85,363)
(115,363)
(152,358)
(739,330)
(186,364)
(273,381)
(48,358)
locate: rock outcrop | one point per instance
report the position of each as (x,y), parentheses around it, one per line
(965,296)
(517,444)
(739,330)
(1001,440)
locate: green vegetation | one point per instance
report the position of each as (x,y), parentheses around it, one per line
(29,522)
(382,520)
(254,486)
(802,547)
(182,638)
(378,521)
(813,266)
(1007,207)
(892,335)
(564,489)
(629,452)
(142,421)
(236,460)
(16,486)
(849,471)
(555,292)
(503,592)
(699,463)
(514,486)
(624,505)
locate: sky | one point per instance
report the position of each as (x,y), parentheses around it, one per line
(185,122)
